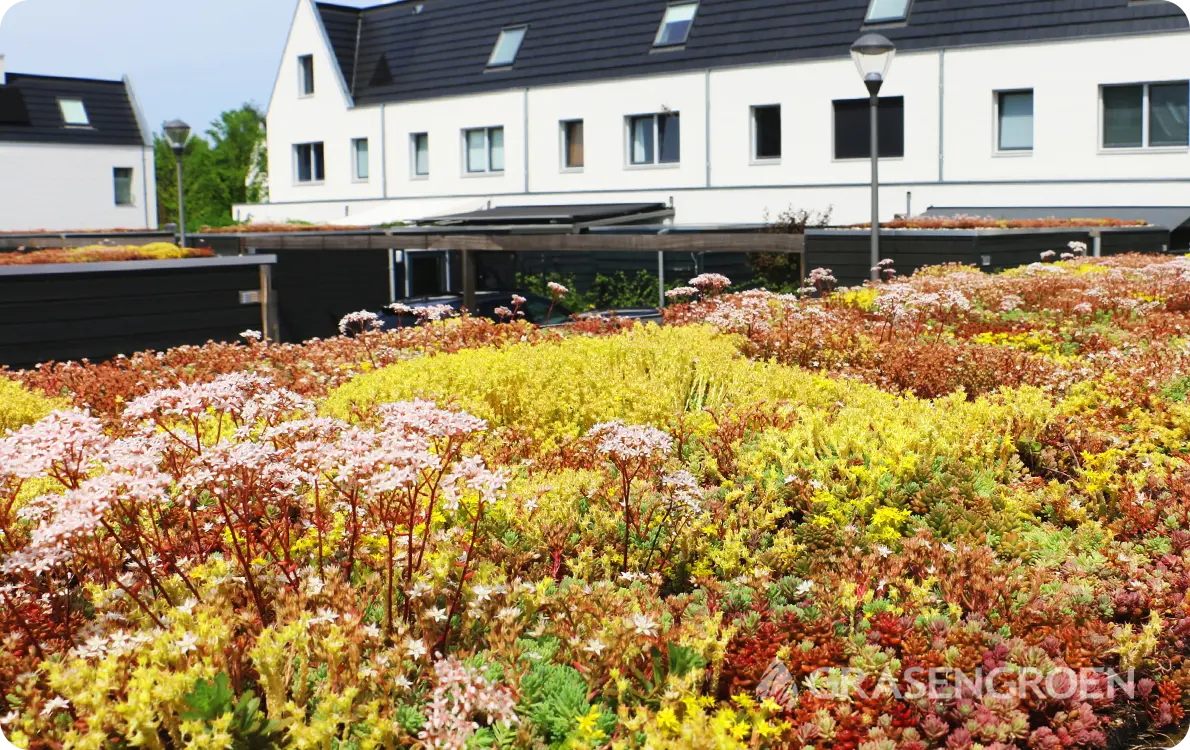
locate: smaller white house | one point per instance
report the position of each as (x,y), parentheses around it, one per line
(75,154)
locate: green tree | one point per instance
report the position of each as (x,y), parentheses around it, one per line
(229,168)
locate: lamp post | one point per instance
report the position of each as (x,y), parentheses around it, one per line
(873,54)
(177,133)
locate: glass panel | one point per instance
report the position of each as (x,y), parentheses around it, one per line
(1016,121)
(1168,114)
(73,112)
(303,162)
(496,141)
(507,47)
(306,73)
(675,27)
(888,10)
(1122,116)
(768,132)
(574,144)
(669,130)
(642,140)
(421,149)
(361,158)
(319,163)
(477,151)
(853,128)
(123,183)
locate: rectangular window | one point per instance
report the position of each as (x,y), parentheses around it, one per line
(675,25)
(766,132)
(655,139)
(485,149)
(853,128)
(887,11)
(311,165)
(421,154)
(572,144)
(122,179)
(306,75)
(1015,120)
(508,44)
(1146,115)
(359,151)
(74,112)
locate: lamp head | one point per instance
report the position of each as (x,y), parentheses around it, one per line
(177,133)
(873,55)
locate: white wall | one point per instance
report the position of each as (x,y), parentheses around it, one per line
(51,186)
(324,117)
(950,155)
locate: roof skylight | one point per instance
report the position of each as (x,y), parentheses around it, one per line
(73,112)
(507,46)
(675,26)
(887,11)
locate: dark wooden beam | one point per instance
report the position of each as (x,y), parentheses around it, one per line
(726,242)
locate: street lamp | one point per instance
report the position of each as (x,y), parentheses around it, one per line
(177,133)
(873,54)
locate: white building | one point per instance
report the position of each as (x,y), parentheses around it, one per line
(734,110)
(74,154)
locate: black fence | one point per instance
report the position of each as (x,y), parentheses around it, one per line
(848,252)
(99,310)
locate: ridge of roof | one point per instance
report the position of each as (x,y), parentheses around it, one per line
(78,79)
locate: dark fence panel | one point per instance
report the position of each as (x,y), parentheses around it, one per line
(99,310)
(316,288)
(848,252)
(1117,242)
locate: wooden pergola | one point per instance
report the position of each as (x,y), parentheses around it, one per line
(472,240)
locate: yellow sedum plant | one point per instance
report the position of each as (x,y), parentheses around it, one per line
(554,391)
(20,406)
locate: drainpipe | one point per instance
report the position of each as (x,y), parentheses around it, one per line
(941,114)
(525,129)
(708,132)
(383,152)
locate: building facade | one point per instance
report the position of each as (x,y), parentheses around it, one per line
(731,110)
(74,154)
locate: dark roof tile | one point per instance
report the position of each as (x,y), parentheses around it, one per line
(441,47)
(108,104)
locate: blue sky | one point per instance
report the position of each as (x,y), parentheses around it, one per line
(186,59)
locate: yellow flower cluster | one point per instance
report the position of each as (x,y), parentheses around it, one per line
(19,406)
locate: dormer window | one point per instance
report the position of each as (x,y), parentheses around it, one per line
(888,11)
(507,46)
(675,26)
(306,75)
(74,113)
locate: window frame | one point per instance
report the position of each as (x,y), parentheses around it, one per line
(755,158)
(315,178)
(564,126)
(487,170)
(665,22)
(63,101)
(131,202)
(524,32)
(888,20)
(998,107)
(355,163)
(656,162)
(1146,124)
(414,173)
(835,130)
(305,77)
